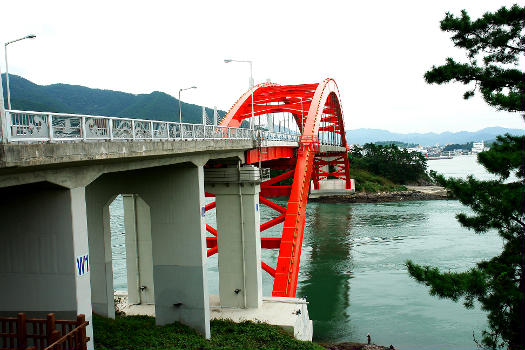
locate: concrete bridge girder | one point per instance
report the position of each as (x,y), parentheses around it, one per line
(73,175)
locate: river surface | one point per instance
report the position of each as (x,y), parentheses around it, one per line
(353,273)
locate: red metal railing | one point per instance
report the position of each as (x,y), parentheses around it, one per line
(24,333)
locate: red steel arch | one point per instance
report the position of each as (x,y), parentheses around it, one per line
(305,163)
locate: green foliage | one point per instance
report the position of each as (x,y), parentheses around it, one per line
(365,181)
(497,284)
(398,165)
(397,143)
(454,146)
(140,332)
(498,39)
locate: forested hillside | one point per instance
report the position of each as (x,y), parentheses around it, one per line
(64,98)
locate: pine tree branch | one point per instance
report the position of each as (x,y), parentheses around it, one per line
(518,220)
(488,43)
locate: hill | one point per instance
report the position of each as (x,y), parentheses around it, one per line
(362,136)
(76,99)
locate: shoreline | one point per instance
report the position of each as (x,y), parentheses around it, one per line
(414,193)
(355,346)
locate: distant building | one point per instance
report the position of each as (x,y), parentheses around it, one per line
(478,147)
(419,149)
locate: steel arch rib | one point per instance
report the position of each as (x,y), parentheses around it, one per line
(322,101)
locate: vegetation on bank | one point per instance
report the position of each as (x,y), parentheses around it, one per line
(366,181)
(140,332)
(386,167)
(397,143)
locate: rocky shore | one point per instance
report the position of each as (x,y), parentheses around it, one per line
(355,346)
(414,193)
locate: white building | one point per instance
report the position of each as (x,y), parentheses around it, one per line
(478,147)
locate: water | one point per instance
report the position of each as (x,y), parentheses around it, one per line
(460,166)
(353,273)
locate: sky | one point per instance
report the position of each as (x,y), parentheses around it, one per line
(377,51)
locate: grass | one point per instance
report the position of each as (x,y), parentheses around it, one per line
(365,181)
(140,332)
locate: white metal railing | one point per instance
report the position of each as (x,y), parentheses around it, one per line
(27,126)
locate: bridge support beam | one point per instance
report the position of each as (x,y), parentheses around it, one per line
(238,239)
(139,258)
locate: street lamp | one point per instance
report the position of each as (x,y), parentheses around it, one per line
(180,109)
(30,36)
(250,85)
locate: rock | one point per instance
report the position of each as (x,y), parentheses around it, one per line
(355,346)
(416,193)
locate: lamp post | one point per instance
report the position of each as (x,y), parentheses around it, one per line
(180,109)
(3,124)
(30,36)
(250,86)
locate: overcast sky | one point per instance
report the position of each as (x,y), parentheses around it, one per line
(377,51)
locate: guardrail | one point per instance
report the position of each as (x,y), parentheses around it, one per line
(22,333)
(28,126)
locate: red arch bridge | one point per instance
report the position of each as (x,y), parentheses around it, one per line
(318,117)
(61,169)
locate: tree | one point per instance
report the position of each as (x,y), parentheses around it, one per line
(398,165)
(498,284)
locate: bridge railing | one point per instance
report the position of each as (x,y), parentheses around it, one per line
(28,126)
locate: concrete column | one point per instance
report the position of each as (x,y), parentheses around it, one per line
(239,244)
(44,254)
(81,254)
(139,258)
(98,220)
(176,199)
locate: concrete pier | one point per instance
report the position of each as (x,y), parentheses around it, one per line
(139,256)
(44,256)
(331,187)
(166,232)
(238,239)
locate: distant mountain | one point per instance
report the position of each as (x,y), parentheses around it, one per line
(64,98)
(362,136)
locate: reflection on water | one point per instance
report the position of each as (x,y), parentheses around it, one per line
(354,277)
(326,270)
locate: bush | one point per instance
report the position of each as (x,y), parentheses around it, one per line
(140,332)
(397,165)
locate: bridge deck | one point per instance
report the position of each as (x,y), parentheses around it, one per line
(46,154)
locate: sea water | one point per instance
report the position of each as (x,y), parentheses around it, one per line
(353,270)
